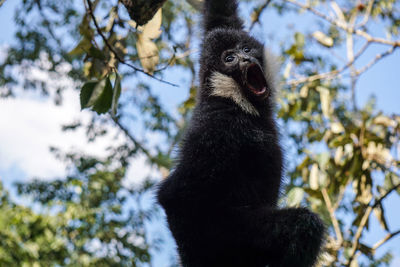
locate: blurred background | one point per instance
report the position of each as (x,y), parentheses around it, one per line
(94,96)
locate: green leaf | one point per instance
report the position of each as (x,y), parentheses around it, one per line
(86,93)
(323,159)
(97,95)
(96,53)
(299,38)
(295,196)
(116,95)
(104,101)
(83,47)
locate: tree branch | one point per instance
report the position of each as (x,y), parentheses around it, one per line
(330,74)
(90,10)
(367,14)
(335,223)
(257,13)
(363,222)
(376,59)
(134,141)
(141,11)
(385,239)
(344,26)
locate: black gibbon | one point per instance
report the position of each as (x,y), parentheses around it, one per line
(221,198)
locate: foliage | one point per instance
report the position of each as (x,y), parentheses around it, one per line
(343,163)
(86,219)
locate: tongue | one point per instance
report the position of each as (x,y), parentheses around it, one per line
(256,79)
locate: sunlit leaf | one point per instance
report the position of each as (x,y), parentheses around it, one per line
(82,48)
(385,120)
(295,196)
(152,28)
(314,173)
(325,100)
(148,53)
(337,127)
(323,39)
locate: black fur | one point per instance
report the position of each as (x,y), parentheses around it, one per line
(221,198)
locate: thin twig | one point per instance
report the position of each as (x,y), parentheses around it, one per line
(385,239)
(336,227)
(357,236)
(330,74)
(342,190)
(134,141)
(350,57)
(363,222)
(258,13)
(345,26)
(90,10)
(367,14)
(376,59)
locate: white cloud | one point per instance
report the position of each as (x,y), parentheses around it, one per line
(139,170)
(30,124)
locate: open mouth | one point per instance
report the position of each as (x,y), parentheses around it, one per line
(255,79)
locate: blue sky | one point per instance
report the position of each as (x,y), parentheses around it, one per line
(21,144)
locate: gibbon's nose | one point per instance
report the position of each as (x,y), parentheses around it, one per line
(245,60)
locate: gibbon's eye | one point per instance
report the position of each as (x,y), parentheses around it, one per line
(229,58)
(246,49)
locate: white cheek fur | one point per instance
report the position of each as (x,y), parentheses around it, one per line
(224,86)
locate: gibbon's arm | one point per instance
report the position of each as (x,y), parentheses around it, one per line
(221,14)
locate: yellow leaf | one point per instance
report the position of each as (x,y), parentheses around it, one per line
(132,23)
(363,189)
(325,100)
(385,121)
(354,263)
(295,196)
(338,155)
(337,127)
(304,91)
(323,39)
(288,68)
(314,177)
(148,53)
(86,68)
(152,28)
(147,49)
(378,153)
(113,17)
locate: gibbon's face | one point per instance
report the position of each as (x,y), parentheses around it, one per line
(242,65)
(232,58)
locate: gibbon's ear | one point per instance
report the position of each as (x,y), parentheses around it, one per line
(221,14)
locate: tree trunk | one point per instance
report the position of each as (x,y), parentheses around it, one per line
(141,11)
